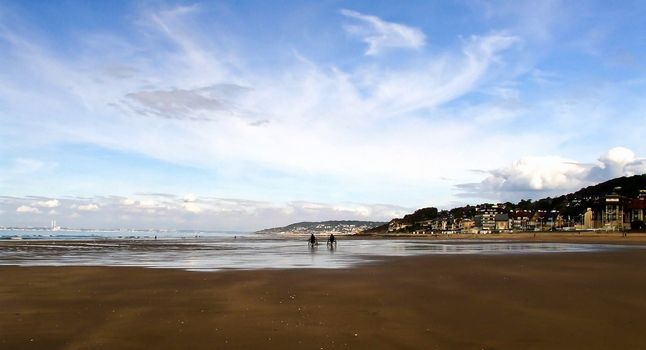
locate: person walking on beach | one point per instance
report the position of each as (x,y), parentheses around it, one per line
(312,240)
(331,241)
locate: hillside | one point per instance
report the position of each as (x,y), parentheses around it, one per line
(324,227)
(575,203)
(569,205)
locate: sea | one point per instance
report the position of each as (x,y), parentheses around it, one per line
(216,251)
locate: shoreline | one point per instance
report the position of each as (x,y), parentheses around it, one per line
(531,236)
(538,236)
(590,300)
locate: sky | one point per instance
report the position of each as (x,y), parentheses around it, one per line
(242,115)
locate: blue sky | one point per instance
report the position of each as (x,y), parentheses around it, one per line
(247,114)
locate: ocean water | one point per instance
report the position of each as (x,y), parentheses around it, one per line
(223,251)
(101,234)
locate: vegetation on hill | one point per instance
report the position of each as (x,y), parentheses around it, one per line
(576,203)
(338,226)
(569,205)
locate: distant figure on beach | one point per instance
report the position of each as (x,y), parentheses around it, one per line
(312,240)
(331,241)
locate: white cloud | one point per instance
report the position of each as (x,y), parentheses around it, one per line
(636,167)
(150,204)
(370,125)
(532,177)
(88,207)
(381,35)
(207,213)
(618,161)
(52,203)
(315,113)
(617,155)
(192,207)
(190,197)
(23,209)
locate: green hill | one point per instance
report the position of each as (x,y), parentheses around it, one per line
(572,204)
(339,226)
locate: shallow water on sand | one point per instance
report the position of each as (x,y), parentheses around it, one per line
(250,252)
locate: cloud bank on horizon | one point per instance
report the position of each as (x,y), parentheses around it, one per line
(168,211)
(341,107)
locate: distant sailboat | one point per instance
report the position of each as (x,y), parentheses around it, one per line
(54,227)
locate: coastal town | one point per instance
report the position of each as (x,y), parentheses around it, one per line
(338,227)
(590,209)
(617,205)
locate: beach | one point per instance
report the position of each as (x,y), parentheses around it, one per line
(598,237)
(591,300)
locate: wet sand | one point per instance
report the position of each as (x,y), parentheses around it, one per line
(541,236)
(531,301)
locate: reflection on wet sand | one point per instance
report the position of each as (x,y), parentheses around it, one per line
(253,253)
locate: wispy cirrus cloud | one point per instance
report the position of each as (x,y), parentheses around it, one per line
(381,35)
(317,107)
(205,103)
(175,91)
